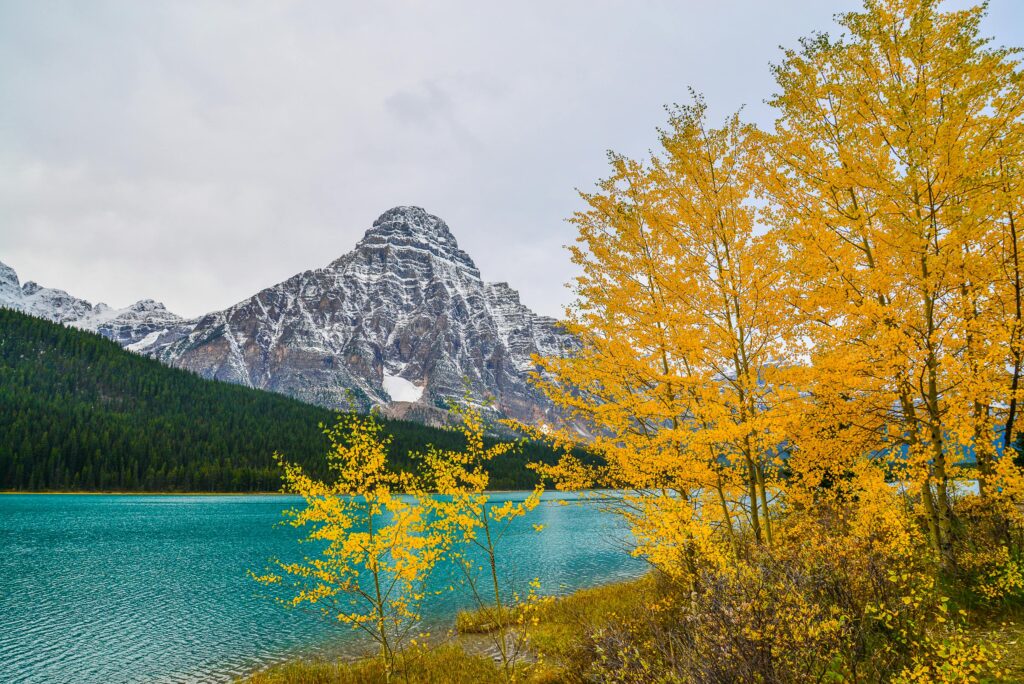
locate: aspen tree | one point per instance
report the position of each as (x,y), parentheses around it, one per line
(885,168)
(684,331)
(375,546)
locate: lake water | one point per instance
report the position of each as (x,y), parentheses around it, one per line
(125,588)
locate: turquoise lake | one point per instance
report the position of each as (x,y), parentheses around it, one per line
(124,588)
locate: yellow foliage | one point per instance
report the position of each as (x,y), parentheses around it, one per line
(892,189)
(793,340)
(683,375)
(952,660)
(464,513)
(379,534)
(375,544)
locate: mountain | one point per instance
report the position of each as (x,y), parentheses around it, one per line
(79,412)
(403,321)
(405,317)
(134,327)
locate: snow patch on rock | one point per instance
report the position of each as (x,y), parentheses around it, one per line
(146,341)
(400,389)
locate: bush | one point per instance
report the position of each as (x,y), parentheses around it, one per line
(846,595)
(989,549)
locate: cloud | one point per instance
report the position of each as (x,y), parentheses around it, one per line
(198,152)
(424,106)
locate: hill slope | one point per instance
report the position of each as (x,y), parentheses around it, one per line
(79,412)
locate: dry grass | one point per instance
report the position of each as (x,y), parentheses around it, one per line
(446,664)
(556,636)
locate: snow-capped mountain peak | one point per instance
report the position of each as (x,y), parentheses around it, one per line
(403,320)
(404,316)
(414,229)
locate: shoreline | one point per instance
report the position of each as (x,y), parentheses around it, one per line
(468,644)
(467,652)
(120,492)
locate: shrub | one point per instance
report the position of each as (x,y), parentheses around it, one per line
(845,595)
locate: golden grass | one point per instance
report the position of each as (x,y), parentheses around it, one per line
(561,621)
(446,664)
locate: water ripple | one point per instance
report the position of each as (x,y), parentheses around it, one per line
(154,588)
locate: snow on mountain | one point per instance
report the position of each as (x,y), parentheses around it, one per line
(10,287)
(128,326)
(400,389)
(139,327)
(406,304)
(403,321)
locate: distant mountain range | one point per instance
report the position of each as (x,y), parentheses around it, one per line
(404,321)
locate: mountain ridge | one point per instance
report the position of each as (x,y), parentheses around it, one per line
(405,308)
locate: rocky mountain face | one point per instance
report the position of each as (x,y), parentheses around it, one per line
(404,321)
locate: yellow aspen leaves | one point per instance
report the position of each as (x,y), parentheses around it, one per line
(889,179)
(803,346)
(376,534)
(375,546)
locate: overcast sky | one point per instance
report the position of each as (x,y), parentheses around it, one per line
(196,152)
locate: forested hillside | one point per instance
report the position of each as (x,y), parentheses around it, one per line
(77,412)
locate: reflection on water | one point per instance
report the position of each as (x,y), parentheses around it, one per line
(153,588)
